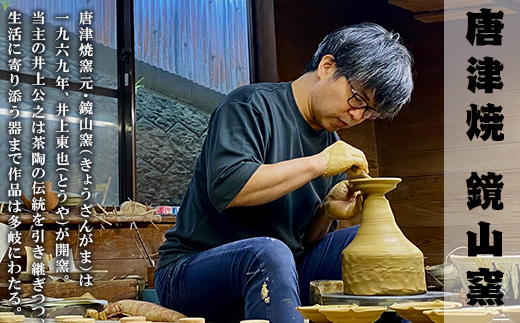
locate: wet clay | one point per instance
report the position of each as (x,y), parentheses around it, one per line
(265,292)
(381,260)
(335,158)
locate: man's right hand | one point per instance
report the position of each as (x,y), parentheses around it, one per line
(341,157)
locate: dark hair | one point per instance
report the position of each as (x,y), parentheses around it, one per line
(375,60)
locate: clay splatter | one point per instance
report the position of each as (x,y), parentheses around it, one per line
(265,293)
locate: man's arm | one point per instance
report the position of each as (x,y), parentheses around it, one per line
(319,225)
(341,203)
(272,181)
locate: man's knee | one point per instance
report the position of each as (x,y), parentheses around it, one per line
(272,254)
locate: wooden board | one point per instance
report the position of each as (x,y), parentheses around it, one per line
(418,201)
(412,163)
(111,291)
(123,267)
(363,137)
(419,6)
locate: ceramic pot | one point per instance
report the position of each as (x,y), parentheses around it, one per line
(381,260)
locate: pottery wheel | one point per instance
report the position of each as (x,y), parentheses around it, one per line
(381,300)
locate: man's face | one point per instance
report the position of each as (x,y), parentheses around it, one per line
(329,103)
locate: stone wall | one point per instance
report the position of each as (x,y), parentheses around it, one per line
(169,138)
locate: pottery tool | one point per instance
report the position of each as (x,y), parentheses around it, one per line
(151,262)
(52,178)
(148,264)
(363,173)
(106,190)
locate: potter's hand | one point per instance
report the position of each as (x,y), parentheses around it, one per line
(342,202)
(341,157)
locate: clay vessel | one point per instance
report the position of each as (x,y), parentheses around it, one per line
(381,260)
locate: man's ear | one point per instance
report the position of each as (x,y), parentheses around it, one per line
(327,67)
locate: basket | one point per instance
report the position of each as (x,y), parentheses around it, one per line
(509,265)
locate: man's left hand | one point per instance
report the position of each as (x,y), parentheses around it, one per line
(342,202)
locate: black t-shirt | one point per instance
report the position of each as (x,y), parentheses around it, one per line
(254,125)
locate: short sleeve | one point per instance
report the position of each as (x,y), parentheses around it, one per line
(237,144)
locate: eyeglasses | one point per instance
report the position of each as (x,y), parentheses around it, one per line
(356,101)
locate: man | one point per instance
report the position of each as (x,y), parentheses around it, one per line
(253,228)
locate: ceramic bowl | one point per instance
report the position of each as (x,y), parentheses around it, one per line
(353,313)
(312,313)
(462,315)
(512,313)
(413,311)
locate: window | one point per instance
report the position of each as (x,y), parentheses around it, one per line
(103,96)
(189,54)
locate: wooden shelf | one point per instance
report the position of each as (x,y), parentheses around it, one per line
(26,218)
(114,246)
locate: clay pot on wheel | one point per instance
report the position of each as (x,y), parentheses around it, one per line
(381,260)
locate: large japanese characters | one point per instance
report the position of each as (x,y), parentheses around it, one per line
(381,260)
